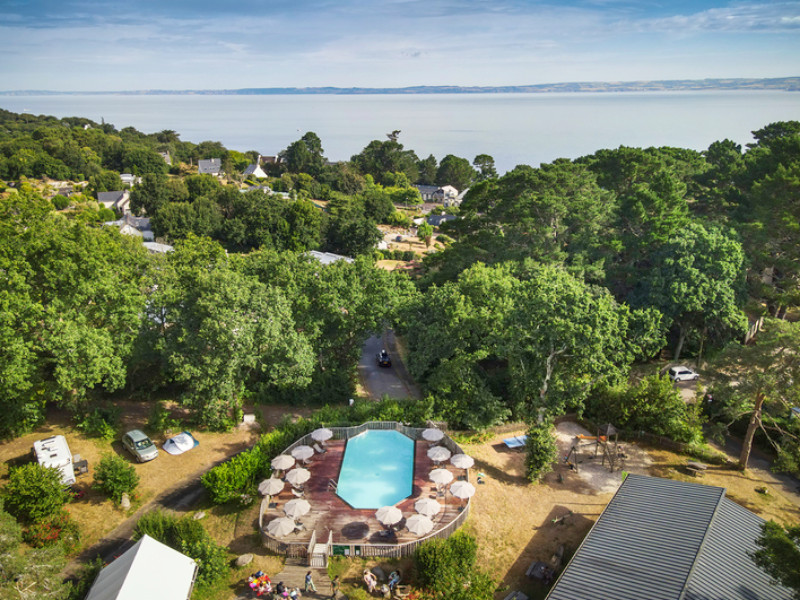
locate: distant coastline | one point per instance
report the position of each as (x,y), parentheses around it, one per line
(788,84)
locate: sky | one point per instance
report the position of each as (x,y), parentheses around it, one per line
(79,45)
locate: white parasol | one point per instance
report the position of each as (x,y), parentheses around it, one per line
(438,454)
(419,524)
(296,508)
(298,476)
(462,489)
(323,434)
(389,515)
(427,507)
(432,435)
(282,461)
(270,487)
(303,452)
(440,476)
(462,461)
(281,526)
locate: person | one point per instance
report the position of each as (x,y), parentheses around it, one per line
(394,579)
(294,594)
(310,583)
(370,580)
(335,587)
(280,588)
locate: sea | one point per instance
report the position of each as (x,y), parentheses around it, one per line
(512,128)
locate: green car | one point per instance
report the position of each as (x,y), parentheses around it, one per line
(141,446)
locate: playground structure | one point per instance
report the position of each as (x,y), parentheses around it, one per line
(610,451)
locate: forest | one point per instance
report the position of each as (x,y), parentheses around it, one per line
(553,283)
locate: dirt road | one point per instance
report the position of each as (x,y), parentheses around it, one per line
(382,381)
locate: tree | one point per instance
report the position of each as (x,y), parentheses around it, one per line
(425,233)
(427,168)
(541,451)
(446,570)
(305,155)
(485,165)
(379,158)
(34,492)
(455,171)
(762,375)
(779,554)
(693,280)
(115,477)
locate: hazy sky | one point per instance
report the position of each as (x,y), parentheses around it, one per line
(200,44)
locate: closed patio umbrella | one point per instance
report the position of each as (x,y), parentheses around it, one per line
(296,508)
(270,487)
(389,515)
(298,476)
(438,454)
(440,476)
(462,461)
(462,489)
(281,526)
(323,434)
(427,507)
(419,524)
(282,461)
(303,453)
(432,435)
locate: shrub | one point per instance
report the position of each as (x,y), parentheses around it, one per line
(445,569)
(100,423)
(115,477)
(160,420)
(34,492)
(540,451)
(60,202)
(56,528)
(212,559)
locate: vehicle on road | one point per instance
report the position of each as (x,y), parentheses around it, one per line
(682,374)
(53,452)
(137,443)
(383,359)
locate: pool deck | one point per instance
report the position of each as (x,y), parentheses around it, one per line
(329,513)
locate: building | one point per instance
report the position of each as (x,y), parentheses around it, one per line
(255,170)
(137,226)
(328,258)
(149,569)
(660,539)
(119,200)
(167,158)
(129,179)
(443,194)
(210,166)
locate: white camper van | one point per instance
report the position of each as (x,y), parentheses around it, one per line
(54,452)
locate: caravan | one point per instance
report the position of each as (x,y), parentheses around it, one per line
(54,452)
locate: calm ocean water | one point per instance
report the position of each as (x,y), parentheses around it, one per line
(513,128)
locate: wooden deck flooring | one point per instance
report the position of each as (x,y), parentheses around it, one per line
(329,513)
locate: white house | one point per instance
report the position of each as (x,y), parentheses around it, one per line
(255,170)
(118,200)
(210,166)
(446,194)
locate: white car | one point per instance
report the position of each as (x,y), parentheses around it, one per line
(682,374)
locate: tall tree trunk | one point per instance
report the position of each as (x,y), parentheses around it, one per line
(681,339)
(755,422)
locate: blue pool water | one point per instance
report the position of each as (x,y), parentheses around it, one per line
(377,469)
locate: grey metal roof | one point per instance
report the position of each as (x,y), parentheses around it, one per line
(328,258)
(660,539)
(209,166)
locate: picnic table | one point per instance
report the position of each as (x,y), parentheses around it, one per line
(696,468)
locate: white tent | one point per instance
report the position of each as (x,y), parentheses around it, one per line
(149,569)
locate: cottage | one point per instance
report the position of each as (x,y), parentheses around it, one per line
(255,170)
(130,179)
(118,200)
(444,194)
(210,166)
(668,540)
(136,226)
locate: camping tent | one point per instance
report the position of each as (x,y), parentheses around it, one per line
(148,569)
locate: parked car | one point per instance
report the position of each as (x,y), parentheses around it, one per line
(141,446)
(682,374)
(383,359)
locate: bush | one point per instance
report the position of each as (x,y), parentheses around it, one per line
(56,528)
(60,202)
(160,420)
(34,492)
(212,559)
(115,477)
(445,569)
(100,423)
(540,451)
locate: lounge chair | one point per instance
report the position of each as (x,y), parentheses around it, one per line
(319,449)
(298,493)
(516,442)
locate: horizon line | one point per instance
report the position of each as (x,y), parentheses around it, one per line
(789,83)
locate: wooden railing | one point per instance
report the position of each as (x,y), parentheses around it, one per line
(398,550)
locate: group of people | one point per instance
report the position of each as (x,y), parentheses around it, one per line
(371,581)
(261,586)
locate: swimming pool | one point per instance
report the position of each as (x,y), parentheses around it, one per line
(377,469)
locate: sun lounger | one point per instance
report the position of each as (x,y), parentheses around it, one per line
(516,442)
(298,493)
(319,449)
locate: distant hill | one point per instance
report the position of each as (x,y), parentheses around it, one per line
(789,84)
